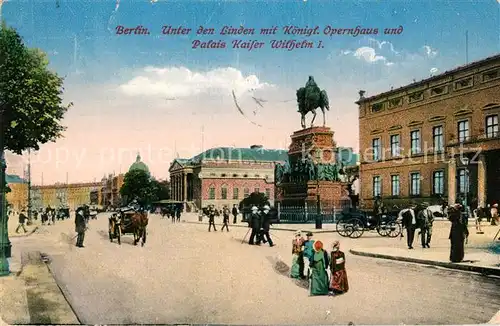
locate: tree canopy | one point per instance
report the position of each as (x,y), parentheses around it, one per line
(138,185)
(258,199)
(30,95)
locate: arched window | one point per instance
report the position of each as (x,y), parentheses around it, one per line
(246,192)
(211,192)
(224,191)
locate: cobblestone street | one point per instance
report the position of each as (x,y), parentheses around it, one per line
(186,275)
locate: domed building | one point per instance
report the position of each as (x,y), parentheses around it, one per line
(139,165)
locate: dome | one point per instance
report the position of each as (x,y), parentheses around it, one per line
(139,165)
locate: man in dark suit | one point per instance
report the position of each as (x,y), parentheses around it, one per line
(255,223)
(266,226)
(409,221)
(235,213)
(80,226)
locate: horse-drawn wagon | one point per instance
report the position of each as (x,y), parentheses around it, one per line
(354,222)
(128,221)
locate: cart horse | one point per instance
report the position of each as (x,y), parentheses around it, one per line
(128,221)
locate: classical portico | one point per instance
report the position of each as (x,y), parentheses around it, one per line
(181,181)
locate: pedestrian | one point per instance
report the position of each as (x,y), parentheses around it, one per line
(457,234)
(80,226)
(494,214)
(22,220)
(178,214)
(488,213)
(297,269)
(211,218)
(409,222)
(338,282)
(235,213)
(426,220)
(319,284)
(478,216)
(266,226)
(254,223)
(308,250)
(225,219)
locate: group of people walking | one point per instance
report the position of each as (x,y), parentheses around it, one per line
(212,212)
(320,265)
(418,217)
(260,223)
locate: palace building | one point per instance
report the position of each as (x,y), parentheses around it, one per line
(18,195)
(436,138)
(224,176)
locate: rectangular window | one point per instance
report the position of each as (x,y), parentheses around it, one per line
(438,138)
(415,184)
(376,149)
(395,185)
(395,147)
(463,131)
(463,181)
(211,193)
(268,193)
(415,141)
(438,183)
(236,194)
(224,193)
(257,190)
(377,186)
(492,126)
(246,192)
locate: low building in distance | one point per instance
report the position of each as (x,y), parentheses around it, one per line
(223,176)
(436,138)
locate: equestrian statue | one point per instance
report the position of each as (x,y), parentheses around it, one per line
(309,98)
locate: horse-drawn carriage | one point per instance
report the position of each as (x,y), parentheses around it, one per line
(354,222)
(128,221)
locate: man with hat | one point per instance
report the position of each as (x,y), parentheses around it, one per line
(266,226)
(211,218)
(22,220)
(426,219)
(80,226)
(254,222)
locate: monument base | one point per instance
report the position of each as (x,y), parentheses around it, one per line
(328,193)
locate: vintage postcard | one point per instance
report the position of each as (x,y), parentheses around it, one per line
(233,162)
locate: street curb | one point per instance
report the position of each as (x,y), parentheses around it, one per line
(25,234)
(272,227)
(468,268)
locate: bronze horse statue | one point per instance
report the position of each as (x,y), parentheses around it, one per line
(139,225)
(309,98)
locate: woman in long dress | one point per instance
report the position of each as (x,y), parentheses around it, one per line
(297,255)
(319,276)
(338,283)
(457,234)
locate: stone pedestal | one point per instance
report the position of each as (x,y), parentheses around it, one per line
(318,144)
(316,141)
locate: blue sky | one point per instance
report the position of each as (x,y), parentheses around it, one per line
(98,65)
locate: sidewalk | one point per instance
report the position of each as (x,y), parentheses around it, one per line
(33,296)
(193,218)
(12,225)
(479,257)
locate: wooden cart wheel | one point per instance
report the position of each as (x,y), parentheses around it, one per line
(344,227)
(383,228)
(357,228)
(395,229)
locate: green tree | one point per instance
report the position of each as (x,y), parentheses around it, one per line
(258,199)
(30,110)
(161,190)
(137,184)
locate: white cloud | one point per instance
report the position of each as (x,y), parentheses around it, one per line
(430,52)
(177,82)
(380,44)
(369,55)
(434,71)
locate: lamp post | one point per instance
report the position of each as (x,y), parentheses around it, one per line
(5,246)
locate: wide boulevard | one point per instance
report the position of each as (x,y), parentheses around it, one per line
(185,274)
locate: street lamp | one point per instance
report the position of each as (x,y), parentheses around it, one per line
(5,246)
